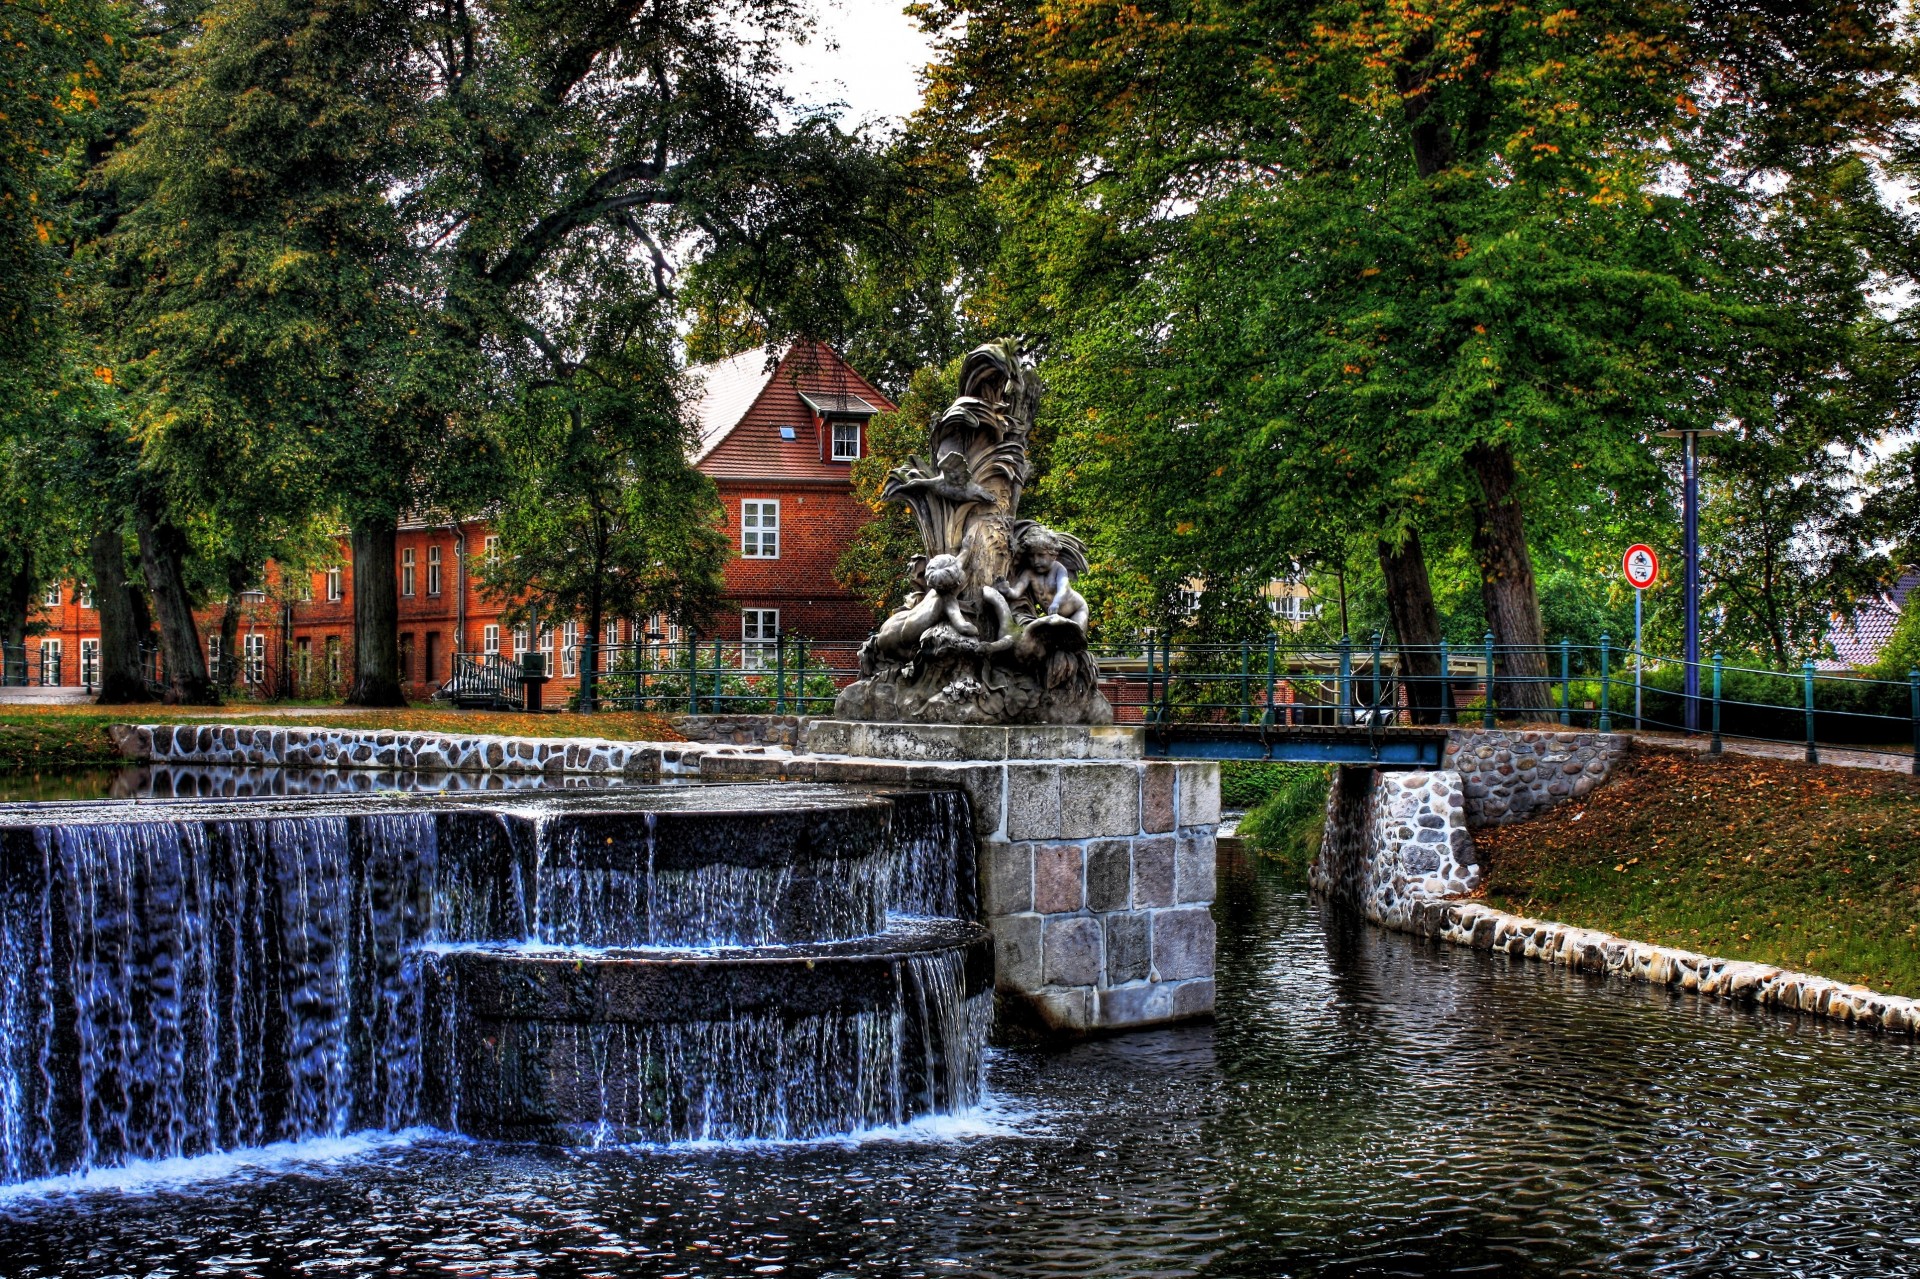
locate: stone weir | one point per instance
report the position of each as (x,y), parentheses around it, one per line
(661,964)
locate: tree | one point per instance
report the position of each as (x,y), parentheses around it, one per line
(1364,269)
(875,564)
(605,518)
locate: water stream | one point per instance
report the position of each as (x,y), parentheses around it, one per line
(1366,1105)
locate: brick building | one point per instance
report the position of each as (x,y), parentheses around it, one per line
(779,438)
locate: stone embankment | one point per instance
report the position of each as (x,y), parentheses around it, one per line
(1587,950)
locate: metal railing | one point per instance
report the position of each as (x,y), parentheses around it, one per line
(32,664)
(1601,687)
(484,680)
(790,675)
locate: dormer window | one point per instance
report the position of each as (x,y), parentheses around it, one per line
(846,441)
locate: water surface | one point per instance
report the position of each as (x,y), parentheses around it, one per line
(1366,1105)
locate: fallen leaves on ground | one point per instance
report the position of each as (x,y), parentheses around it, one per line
(1809,867)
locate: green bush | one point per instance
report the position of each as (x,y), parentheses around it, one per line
(644,685)
(1245,783)
(1287,824)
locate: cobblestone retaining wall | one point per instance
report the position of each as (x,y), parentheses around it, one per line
(262,746)
(1508,775)
(1394,839)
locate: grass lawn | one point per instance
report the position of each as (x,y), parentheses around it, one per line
(1807,867)
(38,739)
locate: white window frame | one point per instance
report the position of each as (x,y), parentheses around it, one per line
(83,595)
(213,655)
(335,586)
(52,598)
(490,639)
(433,570)
(759,539)
(334,652)
(522,641)
(253,657)
(834,451)
(759,634)
(56,650)
(570,650)
(406,571)
(489,548)
(89,663)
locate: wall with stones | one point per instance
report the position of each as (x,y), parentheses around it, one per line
(329,747)
(1510,774)
(739,730)
(1393,839)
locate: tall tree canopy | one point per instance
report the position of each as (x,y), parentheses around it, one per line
(1311,274)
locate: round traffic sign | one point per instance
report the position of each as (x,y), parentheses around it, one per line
(1641,564)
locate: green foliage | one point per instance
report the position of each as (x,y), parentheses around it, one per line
(1287,824)
(640,681)
(1293,267)
(604,517)
(1902,653)
(874,565)
(1244,783)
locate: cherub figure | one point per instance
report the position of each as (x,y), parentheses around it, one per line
(1042,580)
(900,634)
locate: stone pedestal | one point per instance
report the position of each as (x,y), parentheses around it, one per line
(1096,865)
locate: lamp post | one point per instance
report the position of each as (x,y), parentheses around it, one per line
(1690,517)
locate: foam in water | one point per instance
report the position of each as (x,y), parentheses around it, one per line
(144,1176)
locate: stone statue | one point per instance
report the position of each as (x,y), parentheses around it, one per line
(994,632)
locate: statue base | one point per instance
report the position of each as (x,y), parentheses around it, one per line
(958,686)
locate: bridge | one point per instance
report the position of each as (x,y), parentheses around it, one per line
(1385,747)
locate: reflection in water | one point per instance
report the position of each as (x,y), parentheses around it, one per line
(1366,1105)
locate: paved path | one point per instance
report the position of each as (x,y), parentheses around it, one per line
(1839,756)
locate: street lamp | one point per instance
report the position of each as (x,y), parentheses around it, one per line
(1690,516)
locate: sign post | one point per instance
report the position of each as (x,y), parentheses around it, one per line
(1642,568)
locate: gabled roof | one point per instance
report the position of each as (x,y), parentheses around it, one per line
(1858,640)
(752,428)
(724,390)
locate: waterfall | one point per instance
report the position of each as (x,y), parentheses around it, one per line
(173,988)
(933,862)
(250,972)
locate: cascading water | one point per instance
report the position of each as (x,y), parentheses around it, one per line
(177,979)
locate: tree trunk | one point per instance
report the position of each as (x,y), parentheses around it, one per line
(16,604)
(1506,584)
(120,678)
(1417,624)
(162,547)
(590,656)
(376,616)
(229,636)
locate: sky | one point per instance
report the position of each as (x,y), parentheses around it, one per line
(865,53)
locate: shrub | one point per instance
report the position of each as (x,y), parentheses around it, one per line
(1287,824)
(1244,783)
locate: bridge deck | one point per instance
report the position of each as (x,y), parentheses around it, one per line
(1417,747)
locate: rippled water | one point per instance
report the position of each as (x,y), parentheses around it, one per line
(1366,1105)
